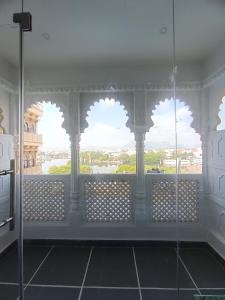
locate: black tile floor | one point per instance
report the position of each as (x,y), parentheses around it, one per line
(112,273)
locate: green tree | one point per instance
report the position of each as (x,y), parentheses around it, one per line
(124,158)
(154,157)
(84,169)
(94,158)
(133,160)
(66,169)
(126,169)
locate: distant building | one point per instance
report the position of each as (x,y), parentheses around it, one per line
(32,140)
(172,162)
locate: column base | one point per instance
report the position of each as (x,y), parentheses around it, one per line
(140,209)
(74,204)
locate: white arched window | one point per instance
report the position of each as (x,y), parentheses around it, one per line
(160,142)
(107,145)
(52,144)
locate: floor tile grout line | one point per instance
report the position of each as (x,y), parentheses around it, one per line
(125,288)
(8,283)
(188,272)
(147,288)
(136,268)
(85,274)
(38,268)
(112,287)
(216,259)
(213,255)
(55,286)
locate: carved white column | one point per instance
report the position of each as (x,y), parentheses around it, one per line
(140,130)
(140,206)
(75,142)
(205,131)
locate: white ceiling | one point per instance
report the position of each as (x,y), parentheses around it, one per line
(113,32)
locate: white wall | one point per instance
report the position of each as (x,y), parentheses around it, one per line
(5,106)
(8,71)
(215,61)
(45,76)
(216,169)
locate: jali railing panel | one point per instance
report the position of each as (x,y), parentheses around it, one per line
(45,197)
(107,198)
(169,202)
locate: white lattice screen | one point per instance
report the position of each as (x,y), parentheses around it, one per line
(108,201)
(44,200)
(164,201)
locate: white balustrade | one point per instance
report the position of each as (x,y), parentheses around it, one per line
(104,198)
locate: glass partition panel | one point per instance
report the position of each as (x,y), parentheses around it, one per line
(100,209)
(160,166)
(9,129)
(200,41)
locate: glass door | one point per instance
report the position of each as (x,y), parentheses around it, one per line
(200,40)
(9,150)
(102,183)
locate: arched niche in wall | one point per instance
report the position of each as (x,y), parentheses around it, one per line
(221,115)
(160,142)
(46,140)
(107,144)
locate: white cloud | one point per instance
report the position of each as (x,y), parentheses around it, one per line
(164,126)
(103,135)
(50,127)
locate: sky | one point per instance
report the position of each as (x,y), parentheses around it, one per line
(163,130)
(50,127)
(107,128)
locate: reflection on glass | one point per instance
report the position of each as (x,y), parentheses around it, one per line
(124,139)
(8,157)
(199,48)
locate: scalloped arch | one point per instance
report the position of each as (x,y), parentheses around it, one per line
(186,103)
(62,108)
(218,110)
(92,102)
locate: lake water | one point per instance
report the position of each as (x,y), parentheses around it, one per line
(60,162)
